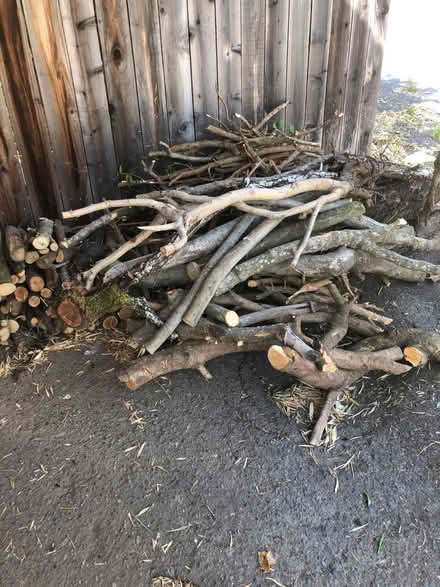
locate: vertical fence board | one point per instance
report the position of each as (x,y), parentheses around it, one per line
(228,24)
(253,15)
(25,111)
(177,69)
(356,66)
(87,86)
(201,20)
(51,63)
(114,33)
(13,192)
(297,61)
(318,64)
(147,54)
(378,12)
(275,63)
(82,43)
(340,36)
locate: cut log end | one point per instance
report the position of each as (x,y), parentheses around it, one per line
(7,289)
(416,356)
(70,314)
(277,357)
(232,319)
(110,322)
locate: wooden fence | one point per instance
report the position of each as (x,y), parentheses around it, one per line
(89,86)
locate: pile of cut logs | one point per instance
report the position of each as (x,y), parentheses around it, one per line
(232,264)
(29,264)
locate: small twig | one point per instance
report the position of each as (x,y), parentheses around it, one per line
(271,114)
(321,423)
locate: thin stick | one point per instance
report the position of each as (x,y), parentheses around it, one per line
(271,114)
(307,234)
(236,232)
(141,237)
(207,291)
(165,209)
(78,237)
(322,421)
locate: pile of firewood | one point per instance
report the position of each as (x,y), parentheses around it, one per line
(197,269)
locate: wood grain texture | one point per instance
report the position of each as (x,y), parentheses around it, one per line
(27,119)
(342,15)
(297,61)
(275,64)
(147,54)
(13,192)
(360,31)
(318,64)
(46,36)
(253,26)
(117,55)
(82,43)
(201,21)
(177,69)
(378,16)
(228,26)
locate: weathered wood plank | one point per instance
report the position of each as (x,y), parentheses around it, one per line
(228,24)
(14,204)
(114,35)
(356,66)
(147,53)
(201,20)
(297,61)
(378,16)
(27,118)
(177,69)
(253,25)
(342,16)
(318,64)
(51,65)
(275,64)
(82,43)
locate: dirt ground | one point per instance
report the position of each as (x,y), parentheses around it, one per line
(190,479)
(186,478)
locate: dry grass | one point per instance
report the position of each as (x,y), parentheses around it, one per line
(168,582)
(392,134)
(31,353)
(304,403)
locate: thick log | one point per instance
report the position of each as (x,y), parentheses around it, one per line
(13,326)
(70,314)
(47,260)
(44,235)
(34,280)
(221,314)
(110,322)
(354,239)
(31,257)
(34,301)
(384,360)
(46,293)
(189,355)
(173,277)
(289,361)
(21,293)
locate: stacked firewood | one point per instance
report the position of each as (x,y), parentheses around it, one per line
(196,269)
(28,276)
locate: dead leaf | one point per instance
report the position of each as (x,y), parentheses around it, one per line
(266,560)
(311,287)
